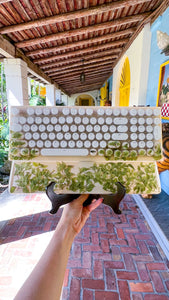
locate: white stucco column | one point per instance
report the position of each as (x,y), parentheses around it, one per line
(50,95)
(16,81)
(58,96)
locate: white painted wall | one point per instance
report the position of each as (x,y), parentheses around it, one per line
(94,94)
(139,58)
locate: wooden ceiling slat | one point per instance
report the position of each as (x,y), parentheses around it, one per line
(87,42)
(77,74)
(74,32)
(67,55)
(70,15)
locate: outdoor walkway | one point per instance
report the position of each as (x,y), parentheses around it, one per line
(114,257)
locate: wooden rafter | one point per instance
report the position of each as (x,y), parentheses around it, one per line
(70,15)
(82,30)
(88,42)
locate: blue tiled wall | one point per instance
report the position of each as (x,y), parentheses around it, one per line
(156,58)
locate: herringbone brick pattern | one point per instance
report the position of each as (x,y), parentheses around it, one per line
(114,257)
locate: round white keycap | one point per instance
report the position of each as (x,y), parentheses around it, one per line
(28,136)
(81,111)
(107,136)
(91,136)
(149,128)
(50,128)
(149,144)
(73,111)
(133,121)
(18,127)
(99,136)
(62,120)
(38,120)
(39,144)
(134,144)
(30,120)
(96,128)
(89,111)
(141,144)
(81,128)
(157,121)
(85,121)
(149,112)
(101,121)
(65,111)
(157,111)
(116,111)
(141,136)
(46,111)
(157,132)
(15,120)
(83,136)
(47,144)
(26,128)
(38,111)
(32,144)
(141,112)
(108,111)
(124,111)
(79,144)
(103,144)
(133,128)
(93,121)
(51,136)
(44,136)
(133,136)
(34,127)
(59,136)
(42,128)
(69,120)
(63,144)
(67,136)
(14,111)
(87,144)
(89,128)
(93,152)
(65,128)
(53,120)
(36,135)
(141,128)
(73,128)
(95,144)
(122,128)
(133,112)
(45,120)
(104,128)
(149,121)
(57,128)
(75,136)
(55,144)
(120,121)
(22,120)
(112,128)
(141,121)
(149,136)
(77,120)
(30,111)
(54,110)
(100,111)
(109,121)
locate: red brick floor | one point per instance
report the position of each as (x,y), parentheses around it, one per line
(114,257)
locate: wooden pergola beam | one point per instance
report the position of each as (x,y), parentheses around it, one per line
(89,78)
(83,51)
(70,15)
(88,42)
(57,71)
(82,30)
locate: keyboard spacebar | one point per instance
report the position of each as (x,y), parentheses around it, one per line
(64,152)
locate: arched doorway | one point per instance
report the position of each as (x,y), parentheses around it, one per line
(85,100)
(124,85)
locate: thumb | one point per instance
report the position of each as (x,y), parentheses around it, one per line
(95,203)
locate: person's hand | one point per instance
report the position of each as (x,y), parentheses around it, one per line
(75,215)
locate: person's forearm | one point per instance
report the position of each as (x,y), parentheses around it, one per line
(46,280)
